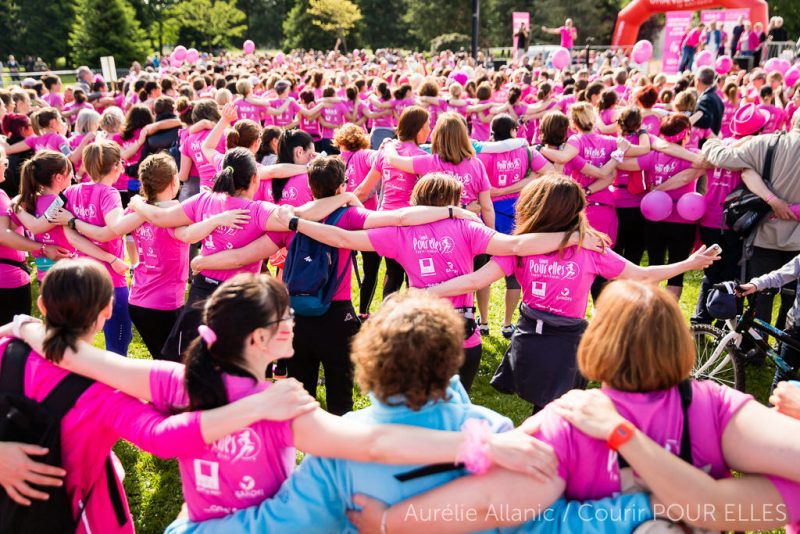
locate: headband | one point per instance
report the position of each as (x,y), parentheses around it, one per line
(675,138)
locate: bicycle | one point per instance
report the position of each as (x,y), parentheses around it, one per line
(720,356)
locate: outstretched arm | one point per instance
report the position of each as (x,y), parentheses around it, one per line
(656,273)
(468,283)
(256,250)
(681,179)
(334,236)
(170,217)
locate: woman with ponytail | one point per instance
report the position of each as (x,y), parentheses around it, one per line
(75,301)
(382,127)
(234,188)
(246,326)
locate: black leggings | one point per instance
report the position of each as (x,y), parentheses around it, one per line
(371,262)
(14,301)
(469,369)
(326,340)
(395,275)
(184,331)
(154,326)
(630,242)
(669,242)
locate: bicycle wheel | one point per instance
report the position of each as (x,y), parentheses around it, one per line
(720,364)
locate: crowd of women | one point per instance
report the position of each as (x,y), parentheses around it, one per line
(226,176)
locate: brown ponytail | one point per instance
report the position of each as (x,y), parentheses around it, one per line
(36,173)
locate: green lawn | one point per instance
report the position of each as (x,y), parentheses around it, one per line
(153,486)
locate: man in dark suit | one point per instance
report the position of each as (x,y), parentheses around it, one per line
(709,102)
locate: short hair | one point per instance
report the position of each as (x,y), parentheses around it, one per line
(325,175)
(156,173)
(706,76)
(350,137)
(616,350)
(411,347)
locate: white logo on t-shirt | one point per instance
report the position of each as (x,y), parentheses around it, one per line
(206,476)
(244,445)
(538,289)
(247,489)
(426,267)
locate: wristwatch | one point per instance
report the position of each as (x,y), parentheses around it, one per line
(293,223)
(621,435)
(71,223)
(450,211)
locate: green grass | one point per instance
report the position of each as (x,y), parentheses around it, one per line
(153,486)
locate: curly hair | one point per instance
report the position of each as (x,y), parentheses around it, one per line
(411,347)
(350,138)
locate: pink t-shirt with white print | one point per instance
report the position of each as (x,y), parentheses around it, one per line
(560,283)
(335,114)
(719,183)
(658,168)
(49,141)
(193,148)
(10,276)
(235,472)
(248,110)
(595,149)
(481,131)
(206,204)
(357,167)
(287,117)
(90,202)
(296,191)
(508,168)
(397,184)
(434,253)
(470,172)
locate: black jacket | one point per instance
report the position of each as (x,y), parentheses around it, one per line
(712,107)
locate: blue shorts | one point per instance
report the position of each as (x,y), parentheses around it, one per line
(504,213)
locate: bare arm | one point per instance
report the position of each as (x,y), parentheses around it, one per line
(656,273)
(487,208)
(335,237)
(513,188)
(200,230)
(526,244)
(365,188)
(468,283)
(641,149)
(681,179)
(415,215)
(280,170)
(316,210)
(677,151)
(209,147)
(256,250)
(171,217)
(559,156)
(186,168)
(36,225)
(496,147)
(390,155)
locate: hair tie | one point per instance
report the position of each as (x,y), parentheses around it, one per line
(675,138)
(228,169)
(207,335)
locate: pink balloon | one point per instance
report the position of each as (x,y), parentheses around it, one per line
(656,206)
(560,57)
(249,47)
(642,52)
(783,65)
(703,59)
(795,209)
(279,58)
(460,77)
(724,64)
(771,65)
(692,206)
(179,53)
(792,75)
(192,56)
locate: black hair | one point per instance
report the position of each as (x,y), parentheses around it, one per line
(287,142)
(501,127)
(238,169)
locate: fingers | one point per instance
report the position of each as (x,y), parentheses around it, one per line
(26,491)
(34,450)
(42,480)
(15,496)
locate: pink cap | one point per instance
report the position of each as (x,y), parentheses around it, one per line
(748,120)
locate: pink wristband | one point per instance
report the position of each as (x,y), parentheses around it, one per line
(474,450)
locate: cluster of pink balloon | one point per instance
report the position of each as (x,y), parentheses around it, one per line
(657,206)
(181,54)
(779,64)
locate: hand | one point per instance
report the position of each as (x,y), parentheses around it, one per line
(591,412)
(119,266)
(17,470)
(590,241)
(782,210)
(198,264)
(235,219)
(786,399)
(136,201)
(701,260)
(285,400)
(368,519)
(229,113)
(144,133)
(461,213)
(474,206)
(742,290)
(623,144)
(518,451)
(61,217)
(284,214)
(56,253)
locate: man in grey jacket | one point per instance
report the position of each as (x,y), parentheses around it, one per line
(777,240)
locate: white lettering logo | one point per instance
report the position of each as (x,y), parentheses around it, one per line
(244,445)
(431,244)
(567,270)
(247,489)
(206,476)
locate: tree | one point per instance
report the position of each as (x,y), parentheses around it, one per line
(264,19)
(428,20)
(8,29)
(300,32)
(215,21)
(383,25)
(106,28)
(44,27)
(336,16)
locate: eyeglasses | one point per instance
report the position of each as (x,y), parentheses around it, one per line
(282,319)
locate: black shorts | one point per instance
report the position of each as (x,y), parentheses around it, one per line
(480,260)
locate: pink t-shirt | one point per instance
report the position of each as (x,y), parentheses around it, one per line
(99,418)
(296,192)
(357,166)
(397,185)
(508,168)
(434,253)
(658,168)
(567,36)
(53,100)
(49,141)
(352,219)
(10,276)
(159,279)
(238,471)
(591,470)
(248,110)
(193,148)
(622,197)
(776,118)
(311,127)
(652,123)
(334,115)
(385,121)
(470,172)
(720,182)
(481,131)
(117,138)
(727,118)
(287,117)
(695,135)
(206,204)
(607,116)
(399,105)
(595,149)
(560,283)
(90,203)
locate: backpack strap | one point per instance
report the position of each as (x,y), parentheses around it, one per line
(113,493)
(19,264)
(12,374)
(332,219)
(766,174)
(64,396)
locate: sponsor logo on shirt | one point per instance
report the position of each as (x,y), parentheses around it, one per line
(564,294)
(245,446)
(84,212)
(506,165)
(546,268)
(206,475)
(426,267)
(247,489)
(289,193)
(539,289)
(594,153)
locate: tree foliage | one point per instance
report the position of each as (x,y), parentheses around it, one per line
(300,32)
(106,28)
(383,24)
(216,22)
(336,16)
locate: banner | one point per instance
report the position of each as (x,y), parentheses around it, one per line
(519,18)
(678,23)
(726,19)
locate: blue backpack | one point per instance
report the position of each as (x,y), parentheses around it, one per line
(309,272)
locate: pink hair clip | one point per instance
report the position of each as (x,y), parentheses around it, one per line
(208,335)
(474,450)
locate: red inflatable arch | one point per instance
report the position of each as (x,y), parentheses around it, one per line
(638,11)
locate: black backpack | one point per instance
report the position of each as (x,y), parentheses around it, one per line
(24,420)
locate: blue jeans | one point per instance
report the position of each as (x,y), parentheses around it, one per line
(687,58)
(118,328)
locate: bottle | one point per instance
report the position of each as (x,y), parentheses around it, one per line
(280,370)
